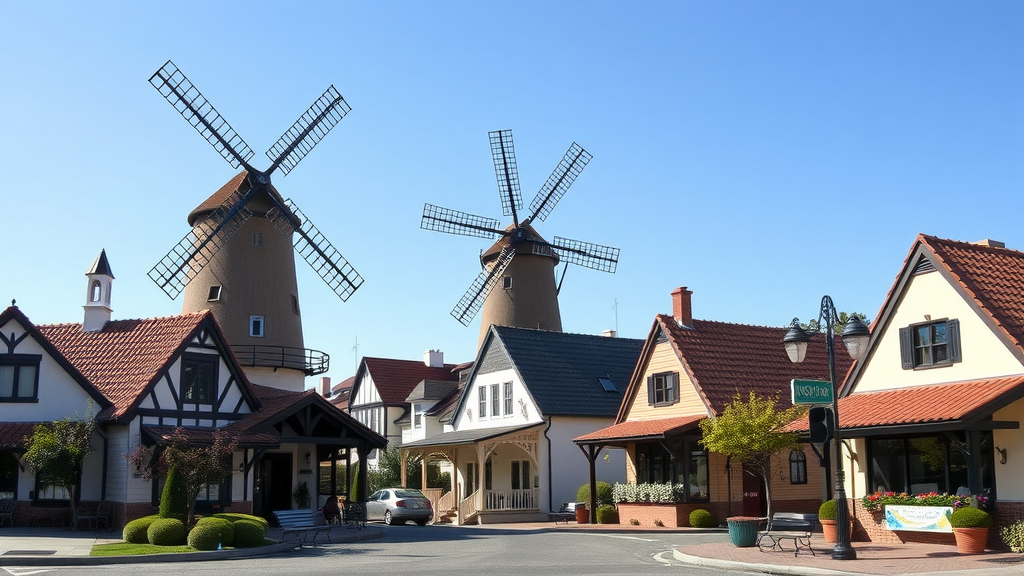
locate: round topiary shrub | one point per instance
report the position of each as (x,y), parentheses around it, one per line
(604,494)
(607,514)
(968,517)
(701,518)
(827,510)
(135,532)
(166,532)
(174,498)
(210,532)
(249,534)
(235,517)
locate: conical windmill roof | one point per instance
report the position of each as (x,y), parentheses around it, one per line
(220,196)
(531,236)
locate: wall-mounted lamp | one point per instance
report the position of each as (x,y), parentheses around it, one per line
(309,459)
(241,466)
(1002,454)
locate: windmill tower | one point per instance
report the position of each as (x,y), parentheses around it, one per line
(238,259)
(521,260)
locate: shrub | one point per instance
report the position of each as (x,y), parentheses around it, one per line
(234,517)
(249,534)
(658,522)
(1013,536)
(970,518)
(701,518)
(135,531)
(607,514)
(878,500)
(211,533)
(658,493)
(604,494)
(174,498)
(166,532)
(827,510)
(634,522)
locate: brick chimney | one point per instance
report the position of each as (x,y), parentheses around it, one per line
(681,310)
(325,386)
(990,243)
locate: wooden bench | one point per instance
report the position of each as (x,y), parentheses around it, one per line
(787,526)
(565,513)
(301,523)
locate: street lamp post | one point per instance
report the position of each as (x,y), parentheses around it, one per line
(855,336)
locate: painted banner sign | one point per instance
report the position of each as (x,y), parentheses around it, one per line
(918,518)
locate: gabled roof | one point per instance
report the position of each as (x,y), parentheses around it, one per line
(428,390)
(723,359)
(395,379)
(990,278)
(658,428)
(561,371)
(126,357)
(963,403)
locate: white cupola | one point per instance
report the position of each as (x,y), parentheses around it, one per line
(97,298)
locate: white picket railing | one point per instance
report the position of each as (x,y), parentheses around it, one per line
(511,499)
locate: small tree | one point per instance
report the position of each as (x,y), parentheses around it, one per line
(174,498)
(748,430)
(56,452)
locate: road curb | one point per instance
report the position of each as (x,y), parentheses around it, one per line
(763,568)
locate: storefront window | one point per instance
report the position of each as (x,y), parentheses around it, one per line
(924,464)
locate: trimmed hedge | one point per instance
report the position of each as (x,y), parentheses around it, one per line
(249,534)
(174,498)
(234,517)
(701,518)
(135,532)
(166,532)
(211,533)
(607,514)
(827,510)
(968,517)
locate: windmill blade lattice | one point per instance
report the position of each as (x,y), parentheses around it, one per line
(316,250)
(473,299)
(188,257)
(558,183)
(503,153)
(460,223)
(308,130)
(586,254)
(198,112)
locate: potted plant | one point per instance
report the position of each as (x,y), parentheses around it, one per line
(970,528)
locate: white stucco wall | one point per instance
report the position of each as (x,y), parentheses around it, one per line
(1008,476)
(521,402)
(569,466)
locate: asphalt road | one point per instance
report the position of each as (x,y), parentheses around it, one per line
(447,551)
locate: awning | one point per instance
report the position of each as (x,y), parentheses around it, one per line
(204,436)
(639,430)
(467,436)
(12,434)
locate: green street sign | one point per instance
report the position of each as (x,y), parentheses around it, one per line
(812,392)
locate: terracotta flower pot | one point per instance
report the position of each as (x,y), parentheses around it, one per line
(830,532)
(970,540)
(582,515)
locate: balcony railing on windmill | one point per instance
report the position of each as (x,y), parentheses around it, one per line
(311,362)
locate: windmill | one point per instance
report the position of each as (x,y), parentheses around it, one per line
(238,259)
(520,259)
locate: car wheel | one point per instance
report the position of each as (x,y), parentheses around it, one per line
(388,519)
(422,521)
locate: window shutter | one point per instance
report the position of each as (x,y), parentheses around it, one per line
(650,390)
(906,349)
(953,334)
(674,379)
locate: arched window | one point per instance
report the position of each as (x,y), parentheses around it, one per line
(94,291)
(797,467)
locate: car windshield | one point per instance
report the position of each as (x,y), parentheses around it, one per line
(409,494)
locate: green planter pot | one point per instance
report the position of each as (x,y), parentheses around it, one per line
(743,530)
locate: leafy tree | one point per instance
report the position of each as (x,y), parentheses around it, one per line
(748,430)
(389,472)
(840,324)
(56,451)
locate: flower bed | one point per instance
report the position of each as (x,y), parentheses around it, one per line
(876,502)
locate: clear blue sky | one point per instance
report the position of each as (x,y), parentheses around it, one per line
(761,153)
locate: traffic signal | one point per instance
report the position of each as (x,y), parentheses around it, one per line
(821,424)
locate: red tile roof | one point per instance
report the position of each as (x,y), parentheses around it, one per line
(639,429)
(935,403)
(725,359)
(12,434)
(395,379)
(126,355)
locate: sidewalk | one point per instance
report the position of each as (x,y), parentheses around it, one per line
(57,547)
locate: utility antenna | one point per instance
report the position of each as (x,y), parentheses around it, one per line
(615,307)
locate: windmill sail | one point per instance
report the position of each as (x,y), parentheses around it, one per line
(473,299)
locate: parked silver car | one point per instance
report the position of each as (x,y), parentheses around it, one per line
(396,505)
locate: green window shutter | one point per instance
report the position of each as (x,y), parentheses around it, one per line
(906,349)
(953,336)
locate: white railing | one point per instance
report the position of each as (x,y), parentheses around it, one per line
(446,502)
(511,499)
(468,506)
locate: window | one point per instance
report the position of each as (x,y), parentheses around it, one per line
(680,462)
(8,476)
(482,395)
(417,417)
(295,304)
(257,239)
(198,378)
(256,326)
(495,402)
(214,295)
(521,478)
(94,291)
(930,345)
(19,377)
(54,493)
(506,282)
(508,398)
(663,389)
(797,467)
(607,385)
(925,464)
